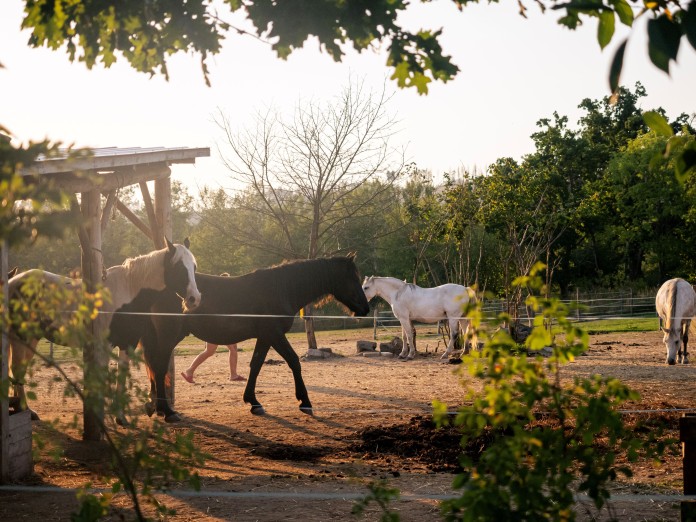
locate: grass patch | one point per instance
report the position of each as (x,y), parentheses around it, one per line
(633,324)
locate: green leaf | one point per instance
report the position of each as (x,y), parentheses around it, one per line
(605,31)
(624,11)
(663,41)
(689,24)
(684,164)
(658,123)
(616,67)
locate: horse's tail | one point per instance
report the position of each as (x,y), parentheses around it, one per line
(473,299)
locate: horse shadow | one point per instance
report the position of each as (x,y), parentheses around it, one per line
(305,455)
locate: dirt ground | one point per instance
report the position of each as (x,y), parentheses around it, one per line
(370,422)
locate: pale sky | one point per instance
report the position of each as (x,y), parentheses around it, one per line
(513,72)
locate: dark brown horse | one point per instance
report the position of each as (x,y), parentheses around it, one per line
(260,305)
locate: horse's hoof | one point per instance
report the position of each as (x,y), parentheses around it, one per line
(685,360)
(307,409)
(172,417)
(34,415)
(121,421)
(257,409)
(150,409)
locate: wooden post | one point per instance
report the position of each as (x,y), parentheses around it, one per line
(374,324)
(4,376)
(163,217)
(152,216)
(687,436)
(94,355)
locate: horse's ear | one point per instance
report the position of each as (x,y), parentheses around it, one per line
(170,245)
(12,272)
(352,256)
(187,243)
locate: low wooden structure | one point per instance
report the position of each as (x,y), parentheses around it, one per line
(103,172)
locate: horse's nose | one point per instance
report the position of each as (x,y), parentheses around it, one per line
(671,362)
(192,301)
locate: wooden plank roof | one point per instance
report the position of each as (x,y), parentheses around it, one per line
(110,158)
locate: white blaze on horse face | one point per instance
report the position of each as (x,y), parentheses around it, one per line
(193,297)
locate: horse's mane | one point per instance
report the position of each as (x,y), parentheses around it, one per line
(141,271)
(317,278)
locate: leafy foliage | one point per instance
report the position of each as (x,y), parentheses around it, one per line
(147,33)
(548,437)
(144,457)
(28,208)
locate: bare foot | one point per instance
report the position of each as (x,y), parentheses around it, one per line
(238,378)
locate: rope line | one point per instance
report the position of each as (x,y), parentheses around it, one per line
(366,318)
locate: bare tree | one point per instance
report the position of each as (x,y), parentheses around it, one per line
(305,175)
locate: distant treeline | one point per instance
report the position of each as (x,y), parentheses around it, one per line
(596,202)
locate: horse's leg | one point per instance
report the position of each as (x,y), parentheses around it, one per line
(687,324)
(123,368)
(257,359)
(284,349)
(454,332)
(21,353)
(157,354)
(404,338)
(409,351)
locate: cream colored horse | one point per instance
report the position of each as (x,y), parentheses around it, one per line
(172,267)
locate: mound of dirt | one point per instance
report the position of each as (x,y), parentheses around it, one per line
(419,441)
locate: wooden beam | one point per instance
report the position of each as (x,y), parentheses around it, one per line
(163,206)
(134,219)
(157,238)
(110,159)
(87,181)
(94,355)
(106,211)
(163,214)
(4,375)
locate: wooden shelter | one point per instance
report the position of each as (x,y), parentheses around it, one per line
(102,173)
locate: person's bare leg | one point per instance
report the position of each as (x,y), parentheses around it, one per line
(209,350)
(234,376)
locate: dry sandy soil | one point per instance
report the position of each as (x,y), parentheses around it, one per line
(370,423)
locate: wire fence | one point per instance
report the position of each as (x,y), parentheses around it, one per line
(595,306)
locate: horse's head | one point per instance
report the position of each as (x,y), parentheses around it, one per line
(369,288)
(673,341)
(180,274)
(347,286)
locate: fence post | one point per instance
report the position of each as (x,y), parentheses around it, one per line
(687,436)
(577,303)
(374,324)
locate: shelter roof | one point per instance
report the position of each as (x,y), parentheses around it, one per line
(111,167)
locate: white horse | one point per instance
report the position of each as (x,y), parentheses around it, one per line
(426,305)
(172,267)
(676,304)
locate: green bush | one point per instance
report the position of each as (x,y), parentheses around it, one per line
(547,438)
